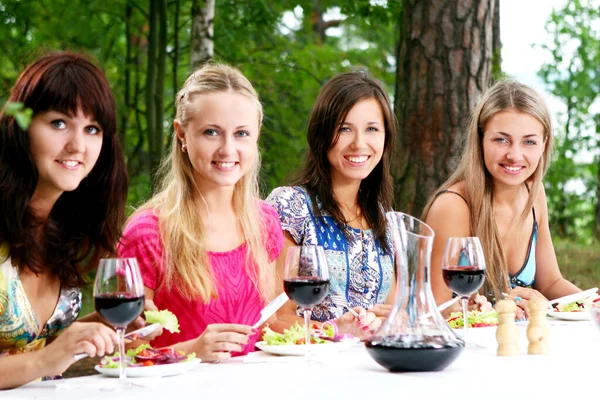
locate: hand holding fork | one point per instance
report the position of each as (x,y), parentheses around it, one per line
(367,323)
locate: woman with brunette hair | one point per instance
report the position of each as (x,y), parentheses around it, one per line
(63,186)
(340,198)
(497,195)
(206,243)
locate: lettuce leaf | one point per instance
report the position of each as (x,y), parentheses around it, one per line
(474,317)
(166,318)
(289,336)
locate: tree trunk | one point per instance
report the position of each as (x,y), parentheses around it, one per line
(201,42)
(161,72)
(319,25)
(496,43)
(127,73)
(597,220)
(175,55)
(444,66)
(151,86)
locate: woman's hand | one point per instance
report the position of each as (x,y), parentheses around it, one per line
(362,326)
(522,296)
(140,322)
(477,302)
(218,341)
(382,310)
(91,338)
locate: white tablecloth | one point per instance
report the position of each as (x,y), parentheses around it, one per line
(570,370)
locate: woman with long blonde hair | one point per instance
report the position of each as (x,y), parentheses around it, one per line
(205,242)
(497,194)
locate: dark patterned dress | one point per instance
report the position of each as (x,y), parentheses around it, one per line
(359,270)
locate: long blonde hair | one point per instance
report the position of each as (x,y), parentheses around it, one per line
(177,201)
(478,183)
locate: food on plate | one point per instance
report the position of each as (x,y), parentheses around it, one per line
(477,319)
(328,333)
(165,318)
(146,356)
(576,306)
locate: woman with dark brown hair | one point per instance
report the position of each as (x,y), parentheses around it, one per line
(340,198)
(63,188)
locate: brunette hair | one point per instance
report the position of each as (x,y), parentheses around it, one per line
(334,102)
(84,224)
(478,182)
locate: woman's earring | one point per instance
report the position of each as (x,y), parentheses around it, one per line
(183,147)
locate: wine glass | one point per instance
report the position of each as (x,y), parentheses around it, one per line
(463,268)
(119,297)
(306,281)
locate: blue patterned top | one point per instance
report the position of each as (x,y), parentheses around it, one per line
(359,270)
(20,331)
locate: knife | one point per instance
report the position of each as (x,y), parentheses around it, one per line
(270,309)
(573,297)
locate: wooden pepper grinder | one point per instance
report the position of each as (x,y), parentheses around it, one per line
(537,331)
(507,334)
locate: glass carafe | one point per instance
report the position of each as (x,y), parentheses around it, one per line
(415,336)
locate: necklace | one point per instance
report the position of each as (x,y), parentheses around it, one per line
(357,215)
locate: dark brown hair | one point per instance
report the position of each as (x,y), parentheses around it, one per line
(84,224)
(335,100)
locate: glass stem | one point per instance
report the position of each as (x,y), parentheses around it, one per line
(465,305)
(307,337)
(122,372)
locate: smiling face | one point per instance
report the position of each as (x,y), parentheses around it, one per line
(64,149)
(359,146)
(513,144)
(221,138)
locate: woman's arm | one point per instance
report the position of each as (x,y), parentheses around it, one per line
(94,339)
(214,344)
(347,323)
(548,279)
(448,217)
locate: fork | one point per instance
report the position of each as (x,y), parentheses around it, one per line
(339,299)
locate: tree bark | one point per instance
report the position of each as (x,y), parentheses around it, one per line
(151,86)
(155,81)
(444,66)
(496,43)
(175,55)
(597,220)
(201,42)
(319,25)
(127,73)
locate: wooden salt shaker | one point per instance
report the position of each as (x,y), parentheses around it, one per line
(507,334)
(537,331)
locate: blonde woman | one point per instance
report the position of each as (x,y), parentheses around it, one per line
(497,194)
(205,242)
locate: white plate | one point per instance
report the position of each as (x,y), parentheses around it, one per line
(300,349)
(570,316)
(154,370)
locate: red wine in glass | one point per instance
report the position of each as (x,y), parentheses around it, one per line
(119,297)
(120,309)
(307,291)
(463,280)
(306,281)
(463,270)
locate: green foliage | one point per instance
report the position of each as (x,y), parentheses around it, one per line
(579,262)
(21,114)
(286,64)
(573,76)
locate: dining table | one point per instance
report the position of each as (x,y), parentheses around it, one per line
(569,370)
